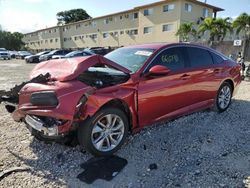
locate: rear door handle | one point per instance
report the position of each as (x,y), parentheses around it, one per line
(216,70)
(185,76)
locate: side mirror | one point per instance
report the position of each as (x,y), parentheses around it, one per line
(158,70)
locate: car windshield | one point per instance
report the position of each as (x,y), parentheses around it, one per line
(41,53)
(89,51)
(130,58)
(71,54)
(24,53)
(52,52)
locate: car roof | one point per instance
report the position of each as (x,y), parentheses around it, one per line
(157,46)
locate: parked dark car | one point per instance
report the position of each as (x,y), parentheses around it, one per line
(35,58)
(74,54)
(99,50)
(22,54)
(100,99)
(48,56)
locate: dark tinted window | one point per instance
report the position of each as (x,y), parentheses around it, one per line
(216,58)
(199,57)
(57,53)
(172,58)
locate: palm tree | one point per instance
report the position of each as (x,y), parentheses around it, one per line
(242,24)
(209,25)
(223,26)
(217,28)
(185,31)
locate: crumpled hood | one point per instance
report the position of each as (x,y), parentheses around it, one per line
(69,69)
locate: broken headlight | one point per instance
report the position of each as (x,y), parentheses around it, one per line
(44,98)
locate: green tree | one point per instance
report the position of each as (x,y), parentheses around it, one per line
(186,30)
(11,41)
(208,25)
(73,15)
(242,25)
(223,26)
(217,28)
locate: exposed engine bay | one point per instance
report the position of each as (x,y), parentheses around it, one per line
(101,77)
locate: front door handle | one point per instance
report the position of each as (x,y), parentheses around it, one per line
(185,76)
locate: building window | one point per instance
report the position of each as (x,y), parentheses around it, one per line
(78,26)
(94,36)
(121,32)
(105,35)
(93,23)
(67,39)
(147,30)
(188,7)
(148,12)
(167,27)
(134,32)
(168,8)
(54,30)
(135,15)
(107,20)
(205,12)
(76,38)
(126,15)
(51,40)
(120,17)
(56,40)
(46,41)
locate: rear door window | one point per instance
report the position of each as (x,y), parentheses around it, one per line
(216,58)
(172,58)
(199,57)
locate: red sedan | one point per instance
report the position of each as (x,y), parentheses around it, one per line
(101,99)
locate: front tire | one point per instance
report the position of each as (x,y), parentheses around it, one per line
(105,132)
(224,96)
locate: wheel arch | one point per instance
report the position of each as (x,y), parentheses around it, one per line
(121,104)
(230,82)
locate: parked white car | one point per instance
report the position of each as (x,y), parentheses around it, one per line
(4,54)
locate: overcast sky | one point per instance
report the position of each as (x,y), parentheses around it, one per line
(29,15)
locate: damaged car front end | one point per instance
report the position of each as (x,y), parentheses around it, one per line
(52,105)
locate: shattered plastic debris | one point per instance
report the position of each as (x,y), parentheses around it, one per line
(102,168)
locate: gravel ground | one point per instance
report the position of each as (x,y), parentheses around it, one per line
(204,149)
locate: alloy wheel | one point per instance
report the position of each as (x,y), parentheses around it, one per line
(107,132)
(224,97)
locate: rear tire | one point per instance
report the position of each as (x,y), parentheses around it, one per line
(223,98)
(105,132)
